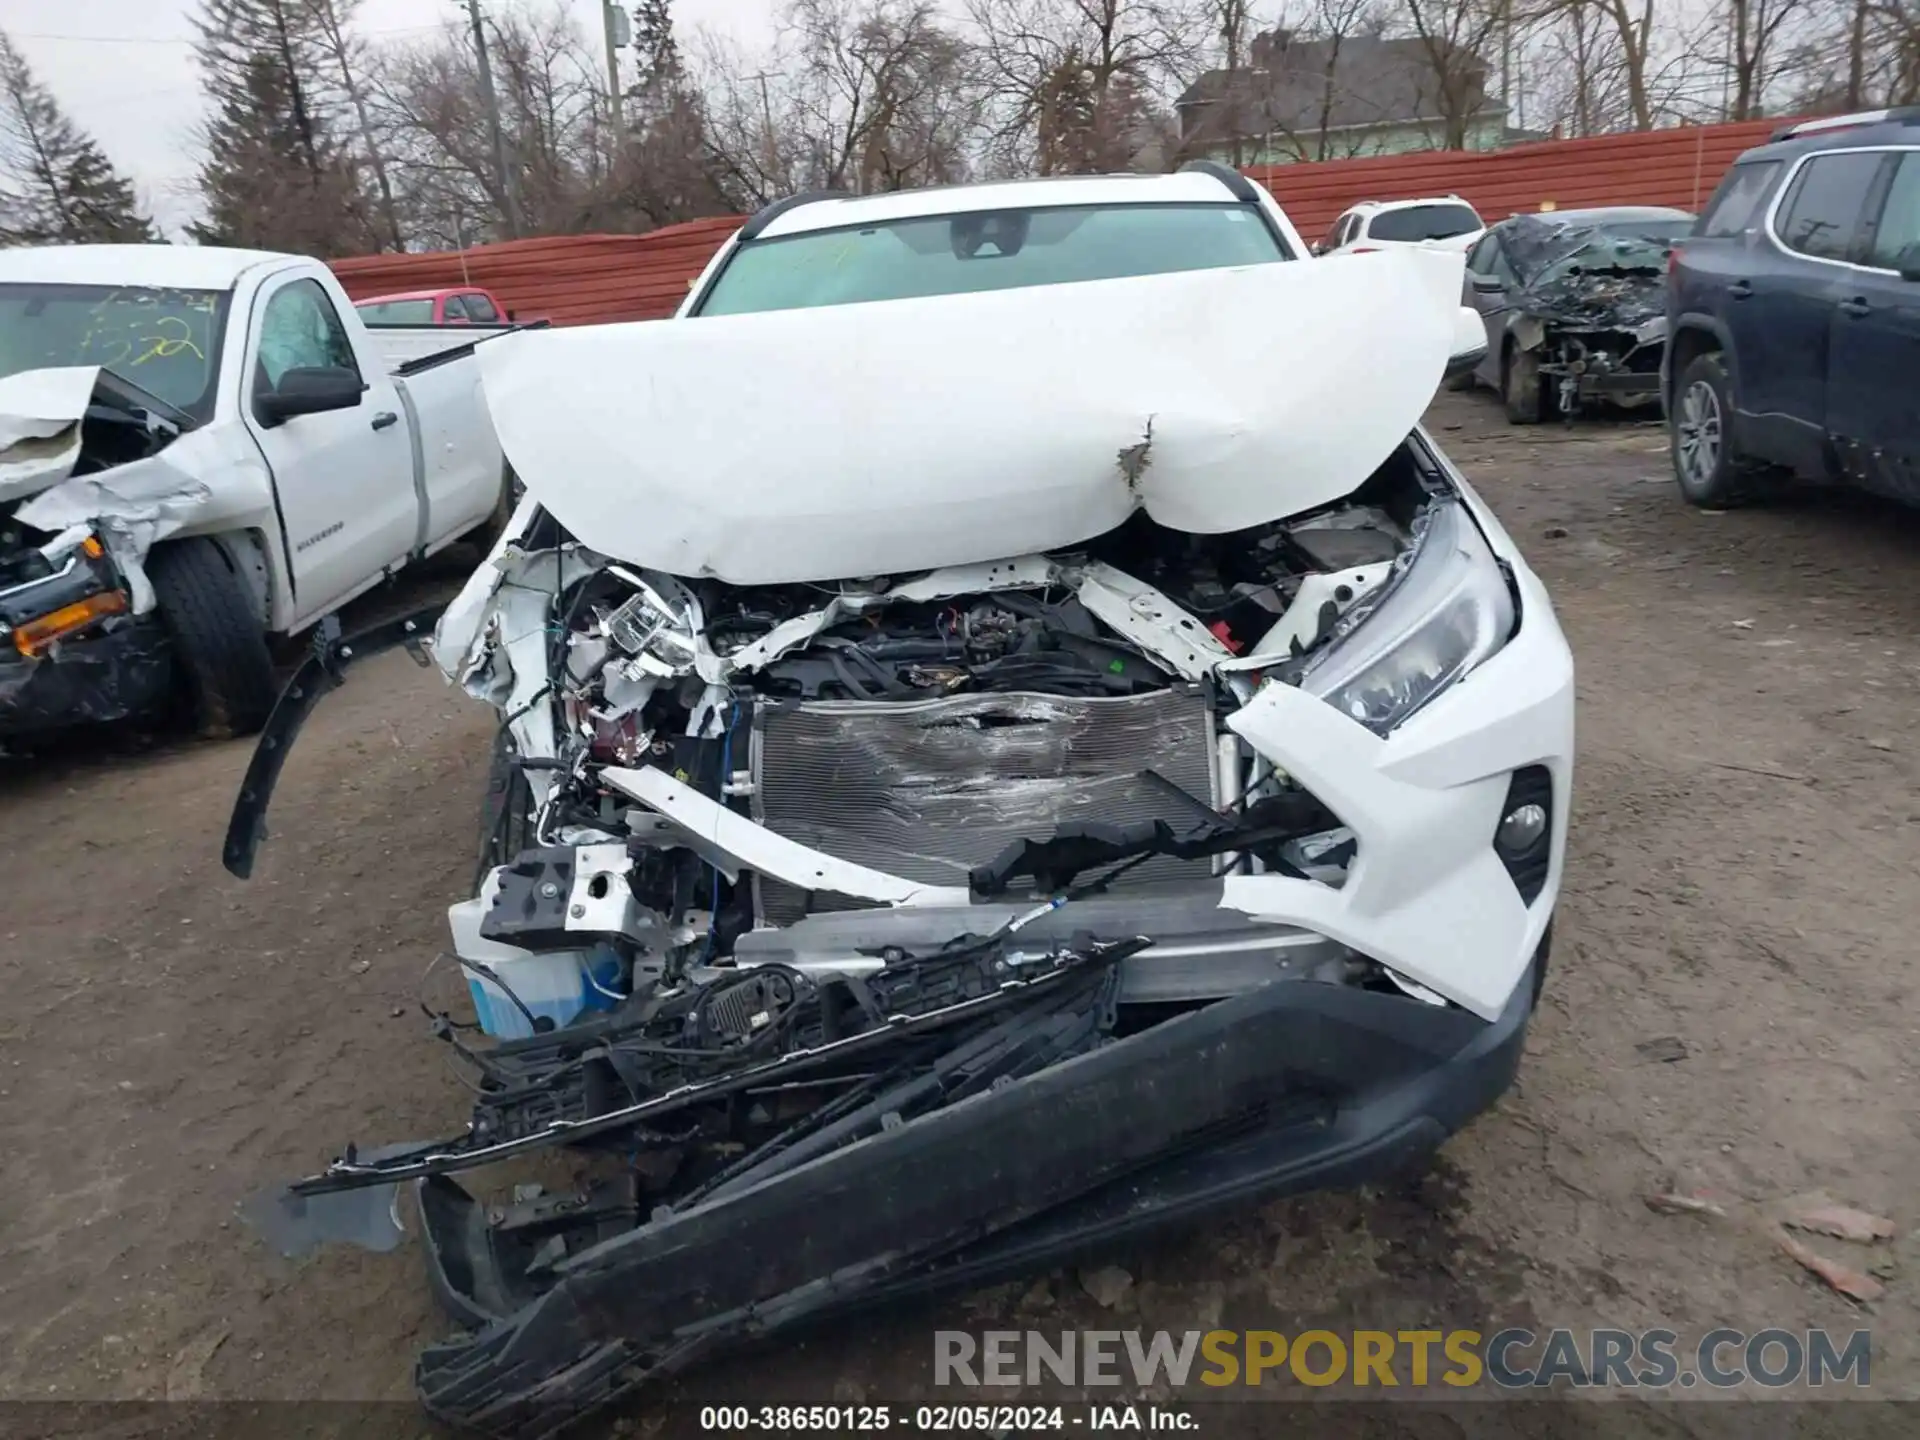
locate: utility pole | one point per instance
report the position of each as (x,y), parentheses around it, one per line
(766,124)
(1506,61)
(613,21)
(502,172)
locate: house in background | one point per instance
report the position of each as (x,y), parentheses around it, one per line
(1336,97)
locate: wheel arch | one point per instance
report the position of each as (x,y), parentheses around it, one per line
(1692,337)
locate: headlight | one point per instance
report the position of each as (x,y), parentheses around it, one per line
(1448,611)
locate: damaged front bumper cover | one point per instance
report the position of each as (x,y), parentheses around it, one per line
(122,672)
(1286,1088)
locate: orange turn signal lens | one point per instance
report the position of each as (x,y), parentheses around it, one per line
(34,636)
(92,548)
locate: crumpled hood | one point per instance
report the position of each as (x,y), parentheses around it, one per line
(40,414)
(905,435)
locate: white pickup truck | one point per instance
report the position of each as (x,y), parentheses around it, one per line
(202,448)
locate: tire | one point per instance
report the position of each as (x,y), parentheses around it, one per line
(1520,387)
(219,645)
(1705,466)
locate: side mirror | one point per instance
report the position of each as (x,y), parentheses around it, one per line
(1319,247)
(1488,285)
(1909,262)
(309,390)
(511,317)
(1469,342)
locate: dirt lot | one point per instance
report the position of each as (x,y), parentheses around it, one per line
(1746,841)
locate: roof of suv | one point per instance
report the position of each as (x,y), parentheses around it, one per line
(1604,215)
(1374,207)
(1189,187)
(1839,132)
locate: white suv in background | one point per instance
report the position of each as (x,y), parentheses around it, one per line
(1447,223)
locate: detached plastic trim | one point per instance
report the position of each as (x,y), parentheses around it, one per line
(1238,185)
(767,214)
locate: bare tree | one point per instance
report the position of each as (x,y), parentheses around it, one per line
(1854,53)
(1457,37)
(1232,22)
(1756,30)
(427,109)
(346,52)
(1072,83)
(859,95)
(1579,92)
(1311,96)
(1616,40)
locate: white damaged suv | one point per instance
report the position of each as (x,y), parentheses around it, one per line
(1013,734)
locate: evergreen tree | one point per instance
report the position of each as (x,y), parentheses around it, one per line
(56,184)
(274,178)
(662,75)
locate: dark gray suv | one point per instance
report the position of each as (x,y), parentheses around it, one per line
(1794,312)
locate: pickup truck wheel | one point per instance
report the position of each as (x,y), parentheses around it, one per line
(1710,474)
(1526,401)
(220,650)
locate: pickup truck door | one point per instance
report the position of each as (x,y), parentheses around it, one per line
(1874,354)
(1781,315)
(343,478)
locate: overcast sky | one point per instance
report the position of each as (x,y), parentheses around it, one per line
(124,71)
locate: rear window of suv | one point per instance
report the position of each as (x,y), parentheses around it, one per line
(1423,222)
(1736,204)
(1822,213)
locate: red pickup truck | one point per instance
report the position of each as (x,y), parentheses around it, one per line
(454,306)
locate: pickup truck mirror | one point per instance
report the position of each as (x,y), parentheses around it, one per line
(1909,262)
(309,390)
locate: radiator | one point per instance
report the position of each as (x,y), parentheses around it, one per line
(928,789)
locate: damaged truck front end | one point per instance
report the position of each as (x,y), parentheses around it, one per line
(79,640)
(864,929)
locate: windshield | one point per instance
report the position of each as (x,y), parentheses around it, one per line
(1423,222)
(397,312)
(165,341)
(991,250)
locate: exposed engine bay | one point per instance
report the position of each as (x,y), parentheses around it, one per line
(926,727)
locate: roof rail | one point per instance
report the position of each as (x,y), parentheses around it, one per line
(767,214)
(1237,184)
(1900,114)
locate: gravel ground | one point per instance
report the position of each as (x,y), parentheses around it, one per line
(1742,893)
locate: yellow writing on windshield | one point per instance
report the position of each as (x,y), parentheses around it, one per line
(123,330)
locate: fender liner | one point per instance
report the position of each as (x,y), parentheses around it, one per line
(323,670)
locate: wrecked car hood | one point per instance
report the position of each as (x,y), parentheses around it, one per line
(1591,275)
(40,414)
(806,445)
